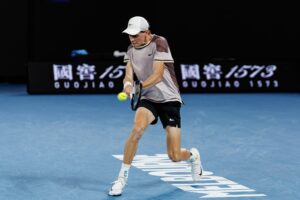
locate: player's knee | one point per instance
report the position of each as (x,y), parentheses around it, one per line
(137,132)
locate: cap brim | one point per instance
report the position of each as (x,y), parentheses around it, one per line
(131,31)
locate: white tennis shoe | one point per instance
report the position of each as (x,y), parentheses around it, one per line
(196,166)
(117,187)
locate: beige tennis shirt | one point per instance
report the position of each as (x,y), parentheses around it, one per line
(142,61)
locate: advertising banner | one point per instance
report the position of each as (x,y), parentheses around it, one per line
(107,77)
(238,77)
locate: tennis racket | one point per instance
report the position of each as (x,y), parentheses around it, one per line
(136,94)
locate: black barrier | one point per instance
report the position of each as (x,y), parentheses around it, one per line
(106,77)
(75,77)
(239,77)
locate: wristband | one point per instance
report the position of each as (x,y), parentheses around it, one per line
(126,84)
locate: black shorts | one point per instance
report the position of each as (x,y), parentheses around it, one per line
(168,113)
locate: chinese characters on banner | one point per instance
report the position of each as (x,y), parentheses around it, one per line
(192,78)
(214,76)
(87,76)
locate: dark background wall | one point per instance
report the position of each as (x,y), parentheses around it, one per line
(196,30)
(13,37)
(48,30)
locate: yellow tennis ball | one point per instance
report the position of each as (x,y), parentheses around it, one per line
(122,96)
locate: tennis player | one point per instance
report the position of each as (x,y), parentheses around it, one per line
(150,59)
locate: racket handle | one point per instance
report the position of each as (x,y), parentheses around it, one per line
(140,83)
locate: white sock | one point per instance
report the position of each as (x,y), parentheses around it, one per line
(124,171)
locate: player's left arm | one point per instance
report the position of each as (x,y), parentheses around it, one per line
(128,79)
(156,76)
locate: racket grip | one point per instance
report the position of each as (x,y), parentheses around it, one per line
(140,83)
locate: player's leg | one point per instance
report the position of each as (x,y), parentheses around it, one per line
(171,120)
(176,153)
(143,117)
(169,114)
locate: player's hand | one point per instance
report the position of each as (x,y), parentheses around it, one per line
(128,90)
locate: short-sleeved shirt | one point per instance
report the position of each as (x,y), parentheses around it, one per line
(142,62)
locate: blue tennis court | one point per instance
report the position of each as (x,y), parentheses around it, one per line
(69,147)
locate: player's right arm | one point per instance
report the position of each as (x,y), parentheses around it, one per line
(128,79)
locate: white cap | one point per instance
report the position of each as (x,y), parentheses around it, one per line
(135,25)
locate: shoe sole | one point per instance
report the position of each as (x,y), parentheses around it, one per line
(114,195)
(109,194)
